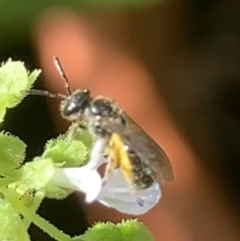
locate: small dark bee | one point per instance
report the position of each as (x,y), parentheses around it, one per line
(117,137)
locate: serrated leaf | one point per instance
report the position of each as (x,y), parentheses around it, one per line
(134,231)
(102,231)
(12,227)
(15,82)
(12,150)
(63,151)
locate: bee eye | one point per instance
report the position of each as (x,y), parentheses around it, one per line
(76,103)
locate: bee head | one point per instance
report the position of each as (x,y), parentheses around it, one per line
(73,107)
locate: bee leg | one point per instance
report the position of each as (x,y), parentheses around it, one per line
(108,171)
(108,174)
(73,129)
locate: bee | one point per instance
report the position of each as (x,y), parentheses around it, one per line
(123,143)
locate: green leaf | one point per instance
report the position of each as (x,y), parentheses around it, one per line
(12,227)
(36,174)
(12,151)
(15,82)
(102,231)
(132,230)
(65,152)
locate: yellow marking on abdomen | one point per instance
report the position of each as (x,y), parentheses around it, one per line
(120,157)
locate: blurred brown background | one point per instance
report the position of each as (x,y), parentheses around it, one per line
(174,67)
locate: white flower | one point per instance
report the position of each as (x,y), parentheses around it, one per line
(115,193)
(82,179)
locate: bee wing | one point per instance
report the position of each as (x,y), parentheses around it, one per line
(148,150)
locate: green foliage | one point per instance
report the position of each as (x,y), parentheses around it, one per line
(19,81)
(24,186)
(19,16)
(35,175)
(134,230)
(103,231)
(12,227)
(130,230)
(74,151)
(12,150)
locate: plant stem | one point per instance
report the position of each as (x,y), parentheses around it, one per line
(36,219)
(38,198)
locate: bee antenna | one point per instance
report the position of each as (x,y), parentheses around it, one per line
(46,93)
(63,75)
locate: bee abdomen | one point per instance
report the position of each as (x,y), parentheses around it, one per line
(142,174)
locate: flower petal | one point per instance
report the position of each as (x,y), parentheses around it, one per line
(117,194)
(81,179)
